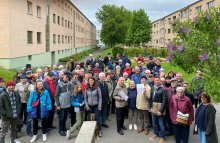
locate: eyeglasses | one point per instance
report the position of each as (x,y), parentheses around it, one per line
(76,77)
(147,73)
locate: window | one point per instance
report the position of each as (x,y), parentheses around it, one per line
(184,13)
(54,18)
(169,30)
(62,22)
(54,38)
(38,37)
(174,18)
(198,9)
(210,4)
(58,20)
(58,39)
(62,39)
(68,24)
(65,23)
(29,7)
(169,19)
(190,11)
(29,57)
(68,39)
(65,39)
(30,37)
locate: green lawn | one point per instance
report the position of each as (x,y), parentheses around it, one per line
(7,74)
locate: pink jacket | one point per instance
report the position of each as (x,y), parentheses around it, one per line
(185,106)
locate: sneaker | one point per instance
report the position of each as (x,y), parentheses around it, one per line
(162,140)
(68,134)
(15,141)
(100,133)
(153,137)
(44,137)
(135,127)
(130,126)
(34,138)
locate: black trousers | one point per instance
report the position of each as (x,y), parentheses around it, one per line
(120,117)
(51,114)
(63,113)
(108,108)
(113,106)
(73,115)
(43,123)
(23,113)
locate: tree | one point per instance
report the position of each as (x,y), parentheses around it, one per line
(197,47)
(140,28)
(115,22)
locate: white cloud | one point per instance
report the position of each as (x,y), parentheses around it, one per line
(154,8)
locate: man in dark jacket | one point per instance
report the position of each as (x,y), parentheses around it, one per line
(50,85)
(158,98)
(107,59)
(2,87)
(105,98)
(10,111)
(151,64)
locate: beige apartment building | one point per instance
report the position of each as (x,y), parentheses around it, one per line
(40,32)
(161,28)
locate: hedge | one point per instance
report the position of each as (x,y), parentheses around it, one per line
(134,52)
(79,56)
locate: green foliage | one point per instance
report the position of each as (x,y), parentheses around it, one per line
(79,56)
(117,50)
(7,74)
(197,46)
(140,28)
(115,23)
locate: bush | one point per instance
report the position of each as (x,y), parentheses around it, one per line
(117,50)
(79,56)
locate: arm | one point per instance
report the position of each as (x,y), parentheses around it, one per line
(100,98)
(147,92)
(85,100)
(49,103)
(164,102)
(115,95)
(30,100)
(191,112)
(57,95)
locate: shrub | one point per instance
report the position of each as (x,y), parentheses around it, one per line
(117,50)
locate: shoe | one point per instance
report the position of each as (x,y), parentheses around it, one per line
(146,132)
(105,125)
(15,141)
(68,134)
(29,134)
(34,138)
(130,126)
(44,137)
(135,127)
(100,133)
(124,128)
(168,134)
(140,130)
(121,132)
(52,127)
(162,140)
(153,137)
(62,133)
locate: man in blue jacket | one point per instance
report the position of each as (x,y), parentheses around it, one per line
(137,76)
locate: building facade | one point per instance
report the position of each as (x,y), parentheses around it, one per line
(40,32)
(162,33)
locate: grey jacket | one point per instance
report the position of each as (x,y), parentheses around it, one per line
(117,97)
(93,98)
(210,126)
(63,94)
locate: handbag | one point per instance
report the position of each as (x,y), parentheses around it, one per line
(36,103)
(181,119)
(156,107)
(33,113)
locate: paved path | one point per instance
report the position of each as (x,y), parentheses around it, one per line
(110,135)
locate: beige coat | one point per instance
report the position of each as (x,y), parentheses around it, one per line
(117,97)
(142,101)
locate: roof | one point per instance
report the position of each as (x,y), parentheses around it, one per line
(81,13)
(177,11)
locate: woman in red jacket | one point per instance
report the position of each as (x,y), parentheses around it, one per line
(182,115)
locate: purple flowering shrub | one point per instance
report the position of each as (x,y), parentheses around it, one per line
(196,46)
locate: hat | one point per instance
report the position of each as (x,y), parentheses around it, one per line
(173,79)
(28,65)
(29,71)
(50,74)
(112,71)
(151,57)
(144,77)
(2,80)
(23,76)
(10,83)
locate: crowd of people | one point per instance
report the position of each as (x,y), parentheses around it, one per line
(143,94)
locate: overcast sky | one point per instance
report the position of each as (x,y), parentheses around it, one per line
(154,8)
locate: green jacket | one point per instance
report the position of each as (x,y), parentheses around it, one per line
(5,105)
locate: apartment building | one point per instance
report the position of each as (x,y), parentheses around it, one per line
(40,32)
(161,28)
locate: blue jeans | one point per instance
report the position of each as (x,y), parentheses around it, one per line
(28,124)
(181,133)
(158,125)
(104,113)
(201,136)
(94,109)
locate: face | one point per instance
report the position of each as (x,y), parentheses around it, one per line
(79,88)
(143,81)
(71,60)
(60,75)
(102,78)
(180,93)
(151,79)
(75,77)
(19,74)
(133,70)
(39,73)
(77,66)
(108,78)
(23,80)
(118,72)
(97,65)
(203,99)
(65,78)
(178,77)
(132,85)
(1,84)
(40,85)
(86,76)
(185,86)
(158,62)
(125,75)
(46,69)
(82,72)
(121,81)
(157,81)
(137,70)
(173,84)
(167,80)
(146,73)
(28,74)
(10,88)
(162,74)
(91,81)
(162,81)
(50,77)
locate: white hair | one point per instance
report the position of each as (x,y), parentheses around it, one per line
(101,74)
(137,68)
(125,73)
(148,71)
(120,60)
(118,68)
(180,89)
(127,64)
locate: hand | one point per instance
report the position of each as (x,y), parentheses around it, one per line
(145,90)
(122,99)
(158,113)
(58,107)
(87,109)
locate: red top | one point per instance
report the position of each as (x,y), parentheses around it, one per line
(140,59)
(184,106)
(52,86)
(127,70)
(83,85)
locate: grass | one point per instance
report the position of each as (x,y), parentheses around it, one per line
(7,74)
(105,52)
